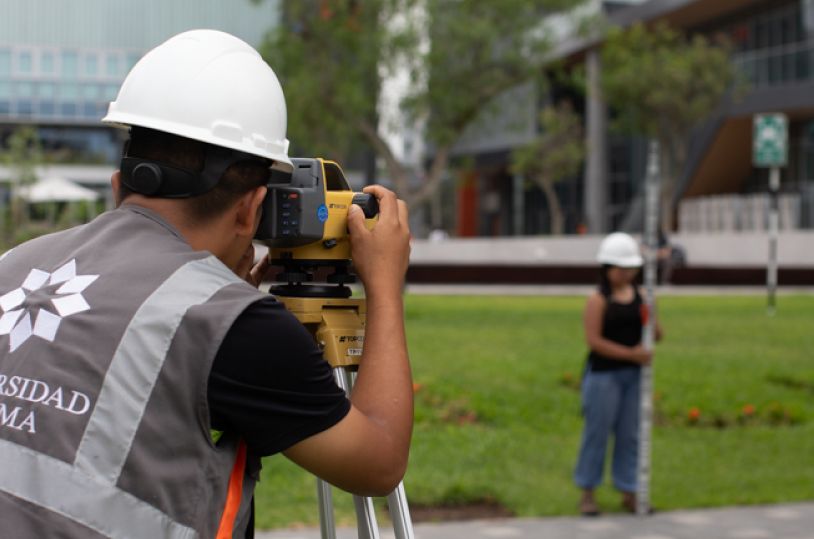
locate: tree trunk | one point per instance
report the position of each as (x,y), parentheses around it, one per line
(673,156)
(433,179)
(557,220)
(397,173)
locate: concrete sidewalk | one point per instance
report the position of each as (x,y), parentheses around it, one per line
(584,290)
(787,521)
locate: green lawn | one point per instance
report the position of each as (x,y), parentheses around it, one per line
(497,412)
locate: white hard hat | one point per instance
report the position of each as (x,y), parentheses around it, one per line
(209,86)
(621,250)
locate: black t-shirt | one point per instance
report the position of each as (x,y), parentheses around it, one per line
(270,383)
(623,325)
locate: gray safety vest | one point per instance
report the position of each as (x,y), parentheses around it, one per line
(107,336)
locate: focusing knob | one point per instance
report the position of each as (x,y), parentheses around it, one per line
(293,276)
(341,276)
(368,203)
(146,179)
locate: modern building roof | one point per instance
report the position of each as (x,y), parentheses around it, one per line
(683,14)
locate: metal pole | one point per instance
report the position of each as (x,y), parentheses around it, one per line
(648,332)
(366,525)
(325,500)
(774,222)
(400,513)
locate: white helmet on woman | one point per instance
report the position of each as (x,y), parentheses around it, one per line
(208,86)
(621,250)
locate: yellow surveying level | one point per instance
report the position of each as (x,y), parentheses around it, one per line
(304,225)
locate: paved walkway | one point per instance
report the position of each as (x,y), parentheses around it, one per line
(787,521)
(584,290)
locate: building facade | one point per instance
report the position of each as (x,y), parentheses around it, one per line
(62,63)
(718,189)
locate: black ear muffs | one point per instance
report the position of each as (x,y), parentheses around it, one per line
(153,179)
(146,179)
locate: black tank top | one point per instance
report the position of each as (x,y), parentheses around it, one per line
(623,325)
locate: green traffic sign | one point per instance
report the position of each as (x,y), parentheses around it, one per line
(771,140)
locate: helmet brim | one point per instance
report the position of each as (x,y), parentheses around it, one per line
(626,262)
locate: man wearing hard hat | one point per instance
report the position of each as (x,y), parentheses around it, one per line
(142,374)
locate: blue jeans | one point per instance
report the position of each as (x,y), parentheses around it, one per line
(610,403)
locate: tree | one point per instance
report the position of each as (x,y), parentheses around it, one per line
(331,57)
(663,84)
(22,155)
(558,152)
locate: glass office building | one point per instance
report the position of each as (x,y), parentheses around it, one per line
(62,63)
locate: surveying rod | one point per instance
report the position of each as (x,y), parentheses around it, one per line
(774,225)
(648,331)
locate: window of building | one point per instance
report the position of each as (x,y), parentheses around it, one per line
(89,110)
(68,110)
(5,62)
(90,92)
(69,91)
(807,18)
(802,65)
(112,66)
(111,92)
(70,65)
(771,41)
(24,90)
(5,97)
(91,65)
(48,90)
(132,59)
(25,63)
(47,108)
(47,62)
(25,108)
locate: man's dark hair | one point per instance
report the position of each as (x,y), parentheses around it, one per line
(173,150)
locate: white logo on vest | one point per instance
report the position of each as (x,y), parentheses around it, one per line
(68,300)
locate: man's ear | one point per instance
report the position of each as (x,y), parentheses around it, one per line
(249,211)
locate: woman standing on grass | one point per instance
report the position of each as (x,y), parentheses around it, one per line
(613,322)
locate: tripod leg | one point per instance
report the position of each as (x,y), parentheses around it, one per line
(327,526)
(365,514)
(397,501)
(366,518)
(400,513)
(326,510)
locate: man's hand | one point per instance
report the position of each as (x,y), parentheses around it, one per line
(252,275)
(381,255)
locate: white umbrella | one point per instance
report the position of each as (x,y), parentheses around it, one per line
(56,189)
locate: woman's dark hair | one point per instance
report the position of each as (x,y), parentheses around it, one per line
(604,283)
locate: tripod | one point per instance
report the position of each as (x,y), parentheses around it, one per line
(336,321)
